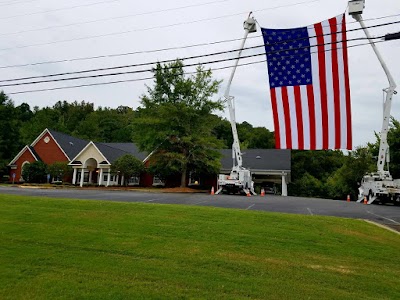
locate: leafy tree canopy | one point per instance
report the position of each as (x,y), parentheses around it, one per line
(128,166)
(35,172)
(176,120)
(59,170)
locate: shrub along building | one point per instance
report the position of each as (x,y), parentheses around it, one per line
(92,161)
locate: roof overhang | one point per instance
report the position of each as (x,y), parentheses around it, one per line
(48,132)
(20,154)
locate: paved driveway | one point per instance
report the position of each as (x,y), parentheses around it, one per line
(384,214)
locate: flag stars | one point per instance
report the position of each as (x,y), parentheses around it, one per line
(287,64)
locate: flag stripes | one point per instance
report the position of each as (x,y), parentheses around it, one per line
(310,102)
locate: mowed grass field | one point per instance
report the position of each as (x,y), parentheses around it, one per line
(77,249)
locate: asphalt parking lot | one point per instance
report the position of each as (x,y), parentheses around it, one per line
(387,215)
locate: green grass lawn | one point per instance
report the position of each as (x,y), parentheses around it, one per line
(76,249)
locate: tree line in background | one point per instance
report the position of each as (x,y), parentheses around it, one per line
(178,118)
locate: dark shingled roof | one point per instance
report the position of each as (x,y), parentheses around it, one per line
(113,151)
(71,145)
(34,152)
(259,159)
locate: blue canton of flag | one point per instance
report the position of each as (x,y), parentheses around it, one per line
(288,55)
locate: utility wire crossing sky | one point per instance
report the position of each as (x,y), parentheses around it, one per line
(51,42)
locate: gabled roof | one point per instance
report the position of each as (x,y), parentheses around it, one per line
(30,149)
(69,145)
(74,160)
(259,159)
(113,151)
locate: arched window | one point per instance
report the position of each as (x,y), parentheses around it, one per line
(22,167)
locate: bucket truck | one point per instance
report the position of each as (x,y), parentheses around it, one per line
(378,186)
(240,179)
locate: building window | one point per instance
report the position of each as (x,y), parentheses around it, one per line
(157,181)
(22,168)
(134,180)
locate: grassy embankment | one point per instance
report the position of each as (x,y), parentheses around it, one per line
(52,248)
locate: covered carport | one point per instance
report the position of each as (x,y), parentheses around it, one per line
(268,166)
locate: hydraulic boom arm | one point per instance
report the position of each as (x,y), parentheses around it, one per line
(383,147)
(249,26)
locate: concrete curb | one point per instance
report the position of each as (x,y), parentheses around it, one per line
(383,226)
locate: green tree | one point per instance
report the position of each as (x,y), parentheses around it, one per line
(345,180)
(9,132)
(58,170)
(35,172)
(176,120)
(318,165)
(128,166)
(394,144)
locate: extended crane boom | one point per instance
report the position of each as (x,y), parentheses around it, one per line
(380,185)
(240,178)
(390,91)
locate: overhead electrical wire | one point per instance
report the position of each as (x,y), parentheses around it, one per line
(152,51)
(151,63)
(15,2)
(185,58)
(147,78)
(59,9)
(150,28)
(115,18)
(187,65)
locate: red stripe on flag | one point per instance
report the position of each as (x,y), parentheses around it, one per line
(335,78)
(322,83)
(288,127)
(311,111)
(276,119)
(347,85)
(299,115)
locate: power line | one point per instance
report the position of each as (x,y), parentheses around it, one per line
(14,2)
(150,28)
(153,51)
(186,58)
(114,18)
(58,9)
(148,78)
(188,65)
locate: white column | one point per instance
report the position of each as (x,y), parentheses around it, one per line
(122,180)
(116,179)
(74,176)
(101,177)
(82,176)
(108,177)
(284,185)
(90,176)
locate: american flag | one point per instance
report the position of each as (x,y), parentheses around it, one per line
(309,84)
